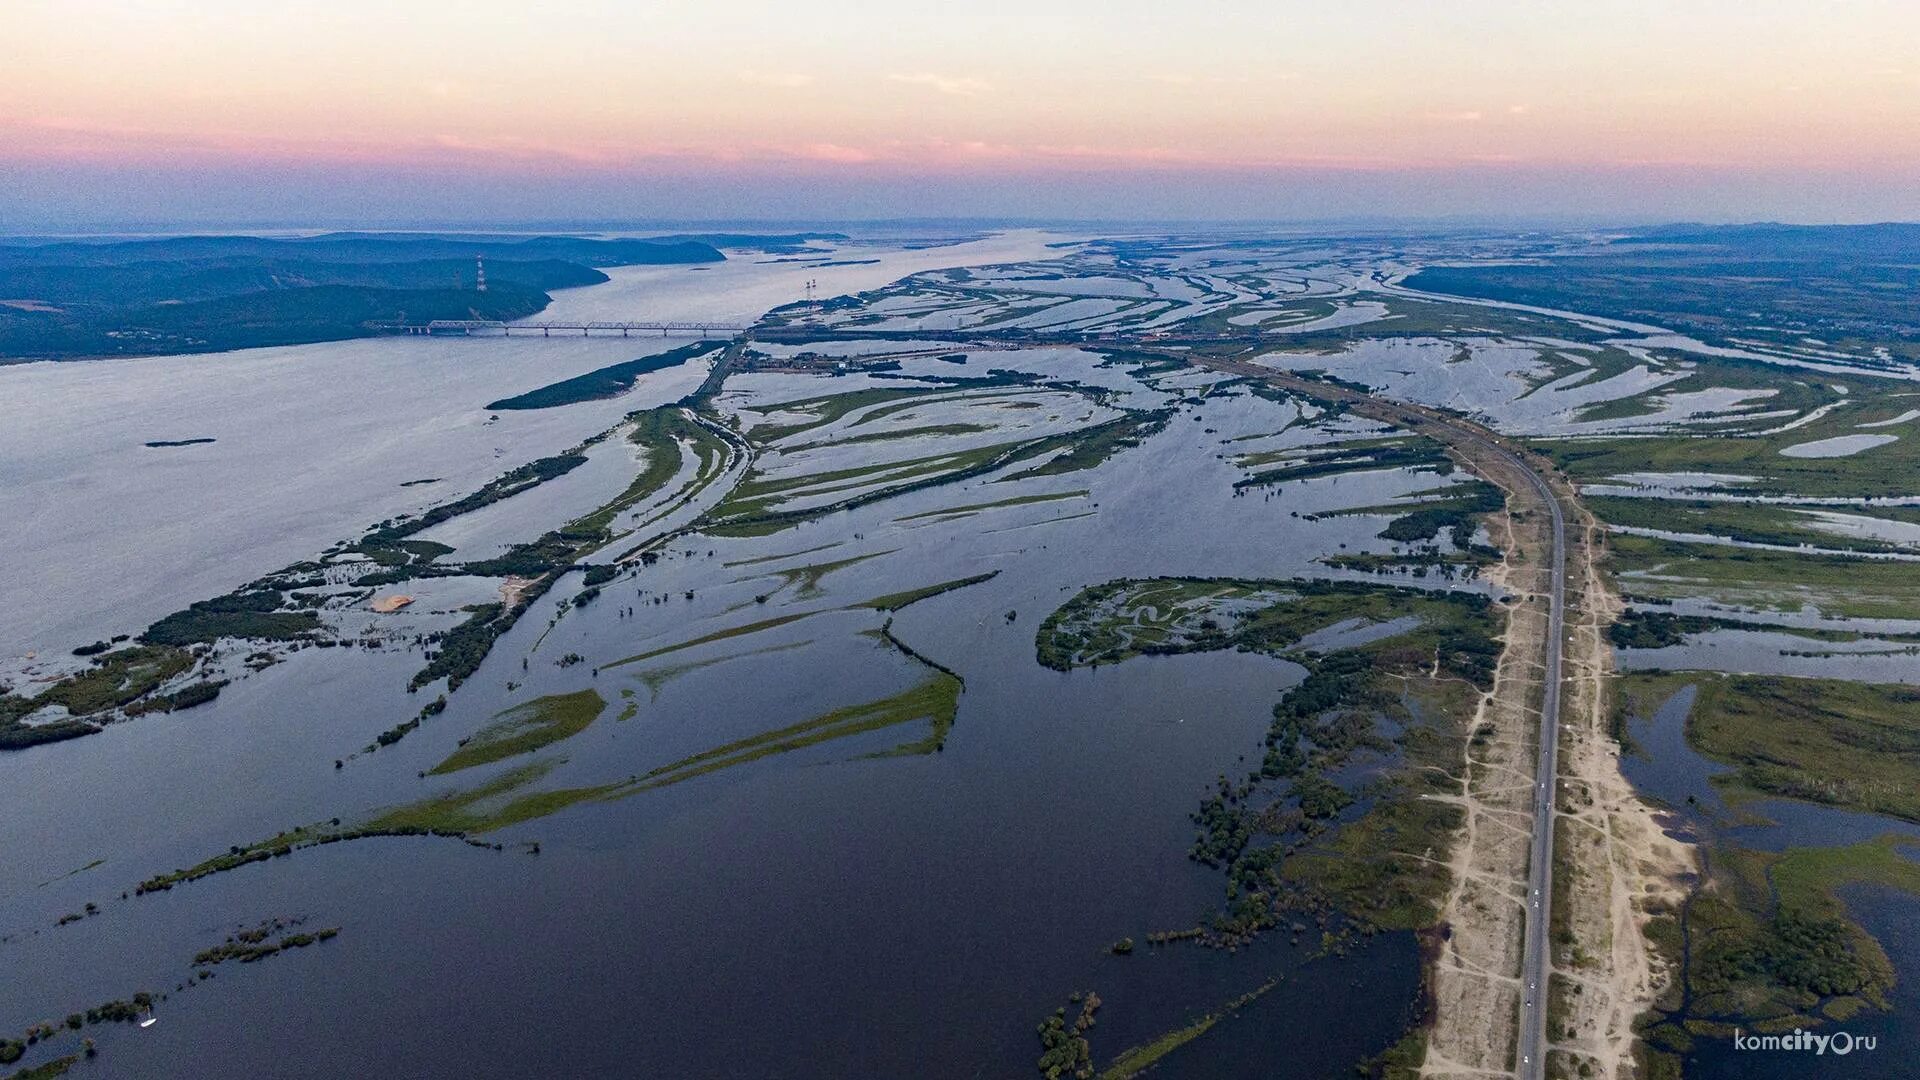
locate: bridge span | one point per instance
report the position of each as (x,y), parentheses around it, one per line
(496,328)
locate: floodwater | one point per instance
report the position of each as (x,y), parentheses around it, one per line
(1665,768)
(830,911)
(314,442)
(1838,446)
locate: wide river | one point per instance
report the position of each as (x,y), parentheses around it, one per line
(834,912)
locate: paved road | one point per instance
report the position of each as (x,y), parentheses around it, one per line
(1533,969)
(1533,965)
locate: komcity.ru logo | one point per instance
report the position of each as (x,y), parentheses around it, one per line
(1840,1042)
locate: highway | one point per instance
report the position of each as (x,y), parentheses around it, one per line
(1530,1058)
(1534,961)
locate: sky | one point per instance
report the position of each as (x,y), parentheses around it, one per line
(121,112)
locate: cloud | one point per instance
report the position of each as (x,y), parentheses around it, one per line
(1518,110)
(835,153)
(785,80)
(946,84)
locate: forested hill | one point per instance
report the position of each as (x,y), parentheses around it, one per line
(209,293)
(362,248)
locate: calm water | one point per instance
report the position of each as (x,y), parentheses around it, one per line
(1664,767)
(821,913)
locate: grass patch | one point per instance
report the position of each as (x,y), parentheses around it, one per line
(1846,744)
(824,410)
(1139,1059)
(1090,447)
(896,601)
(974,508)
(1650,568)
(935,700)
(718,635)
(661,676)
(607,382)
(1745,522)
(807,578)
(526,728)
(926,432)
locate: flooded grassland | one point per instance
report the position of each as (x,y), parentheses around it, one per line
(946,680)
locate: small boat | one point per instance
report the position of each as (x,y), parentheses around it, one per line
(150,1020)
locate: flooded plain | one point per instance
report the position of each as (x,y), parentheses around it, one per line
(768,777)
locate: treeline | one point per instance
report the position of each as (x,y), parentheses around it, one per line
(204,294)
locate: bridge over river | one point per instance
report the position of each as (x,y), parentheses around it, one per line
(496,328)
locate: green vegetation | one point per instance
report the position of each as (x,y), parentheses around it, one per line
(1274,834)
(934,700)
(1753,448)
(656,678)
(606,382)
(1845,285)
(203,293)
(1064,1050)
(760,559)
(1130,616)
(951,512)
(1767,944)
(461,649)
(253,319)
(245,614)
(808,577)
(526,728)
(1458,515)
(824,410)
(46,1070)
(111,1012)
(760,505)
(1139,1059)
(755,499)
(1641,629)
(258,943)
(1846,744)
(1770,947)
(1746,522)
(896,601)
(114,680)
(1091,447)
(926,432)
(1653,569)
(1360,455)
(718,635)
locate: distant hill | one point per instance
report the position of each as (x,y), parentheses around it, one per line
(361,248)
(131,285)
(253,319)
(208,293)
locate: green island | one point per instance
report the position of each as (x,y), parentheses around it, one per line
(526,728)
(607,382)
